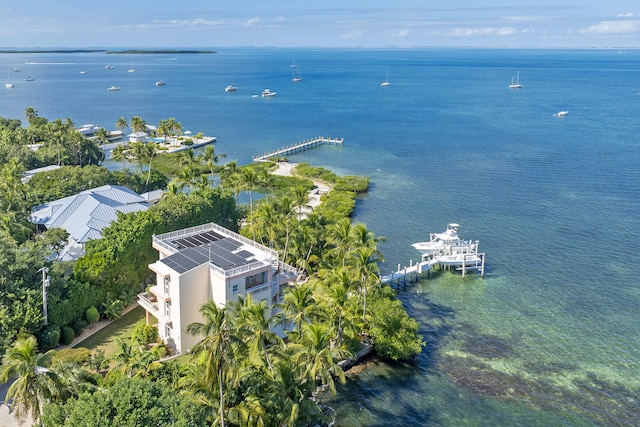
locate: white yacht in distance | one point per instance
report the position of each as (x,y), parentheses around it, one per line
(109,67)
(267,93)
(386,82)
(516,84)
(28,79)
(113,88)
(132,70)
(8,85)
(296,77)
(160,83)
(561,113)
(230,88)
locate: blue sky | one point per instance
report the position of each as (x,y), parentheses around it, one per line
(319,23)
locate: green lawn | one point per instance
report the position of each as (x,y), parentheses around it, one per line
(121,327)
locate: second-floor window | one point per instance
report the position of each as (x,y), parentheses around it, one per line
(167,308)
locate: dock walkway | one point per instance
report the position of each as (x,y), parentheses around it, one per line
(300,146)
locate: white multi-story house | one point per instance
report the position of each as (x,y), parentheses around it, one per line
(208,262)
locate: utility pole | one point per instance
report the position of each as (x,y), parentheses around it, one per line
(45,285)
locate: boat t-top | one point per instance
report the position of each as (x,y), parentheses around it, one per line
(267,93)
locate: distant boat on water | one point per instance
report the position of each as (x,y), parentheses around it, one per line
(109,67)
(293,63)
(83,72)
(296,76)
(132,70)
(267,93)
(561,113)
(16,70)
(28,79)
(160,83)
(516,84)
(386,82)
(113,88)
(230,88)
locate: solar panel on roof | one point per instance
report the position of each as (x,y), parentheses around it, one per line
(244,254)
(197,239)
(228,244)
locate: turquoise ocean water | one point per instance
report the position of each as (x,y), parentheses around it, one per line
(550,336)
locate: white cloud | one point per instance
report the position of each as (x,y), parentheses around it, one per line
(181,23)
(484,31)
(401,33)
(252,21)
(281,19)
(353,34)
(625,15)
(613,27)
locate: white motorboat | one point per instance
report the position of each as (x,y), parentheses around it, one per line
(113,88)
(561,113)
(438,241)
(515,84)
(230,88)
(83,72)
(28,79)
(160,83)
(8,85)
(109,67)
(267,93)
(466,260)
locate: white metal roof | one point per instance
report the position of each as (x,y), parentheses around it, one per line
(85,214)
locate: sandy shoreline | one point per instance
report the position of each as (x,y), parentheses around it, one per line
(286,169)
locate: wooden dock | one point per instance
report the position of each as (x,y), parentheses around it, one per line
(295,148)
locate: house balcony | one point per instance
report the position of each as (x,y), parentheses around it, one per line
(150,303)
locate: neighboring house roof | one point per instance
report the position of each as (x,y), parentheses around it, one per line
(27,175)
(85,214)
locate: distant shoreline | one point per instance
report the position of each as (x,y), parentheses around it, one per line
(110,52)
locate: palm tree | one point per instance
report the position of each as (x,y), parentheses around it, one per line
(102,135)
(313,352)
(253,325)
(35,385)
(185,177)
(186,158)
(364,261)
(119,154)
(137,124)
(148,153)
(250,182)
(210,158)
(30,114)
(299,305)
(217,346)
(121,124)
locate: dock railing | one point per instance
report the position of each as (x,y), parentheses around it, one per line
(300,146)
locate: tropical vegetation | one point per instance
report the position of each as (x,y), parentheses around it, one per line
(240,373)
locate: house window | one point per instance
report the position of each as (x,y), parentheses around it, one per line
(167,308)
(255,280)
(167,331)
(234,288)
(167,283)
